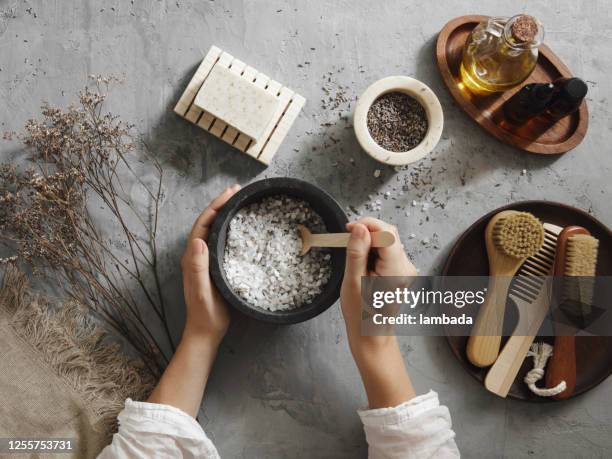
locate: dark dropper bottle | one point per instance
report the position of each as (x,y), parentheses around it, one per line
(567,97)
(532,100)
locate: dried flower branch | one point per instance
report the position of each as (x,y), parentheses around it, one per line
(81,155)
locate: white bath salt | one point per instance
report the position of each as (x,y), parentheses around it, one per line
(262,262)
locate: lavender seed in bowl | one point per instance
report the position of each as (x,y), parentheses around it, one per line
(397,122)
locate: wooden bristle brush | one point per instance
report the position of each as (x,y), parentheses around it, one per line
(510,237)
(531,292)
(576,257)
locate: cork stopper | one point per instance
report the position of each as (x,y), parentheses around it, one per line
(524,29)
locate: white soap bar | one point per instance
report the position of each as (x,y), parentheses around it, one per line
(237,101)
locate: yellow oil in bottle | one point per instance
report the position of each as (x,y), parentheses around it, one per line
(492,61)
(495,73)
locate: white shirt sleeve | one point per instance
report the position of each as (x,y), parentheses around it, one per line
(151,430)
(418,428)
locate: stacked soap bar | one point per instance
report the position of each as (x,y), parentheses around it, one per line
(240,105)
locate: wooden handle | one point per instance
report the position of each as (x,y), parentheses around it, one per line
(500,377)
(379,239)
(562,365)
(484,342)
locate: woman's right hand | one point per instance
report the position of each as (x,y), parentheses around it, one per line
(378,358)
(388,261)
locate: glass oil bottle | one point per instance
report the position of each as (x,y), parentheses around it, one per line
(501,53)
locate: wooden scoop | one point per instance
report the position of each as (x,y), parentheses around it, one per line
(379,239)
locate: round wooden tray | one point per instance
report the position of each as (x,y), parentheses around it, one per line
(536,136)
(469,258)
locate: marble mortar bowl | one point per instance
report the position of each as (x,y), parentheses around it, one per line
(419,91)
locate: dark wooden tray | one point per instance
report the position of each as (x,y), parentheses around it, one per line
(469,258)
(536,136)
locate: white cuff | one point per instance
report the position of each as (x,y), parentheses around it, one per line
(401,413)
(175,421)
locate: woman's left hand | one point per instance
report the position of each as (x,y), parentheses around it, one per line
(207,313)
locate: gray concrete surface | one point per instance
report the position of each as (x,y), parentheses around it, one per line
(292,392)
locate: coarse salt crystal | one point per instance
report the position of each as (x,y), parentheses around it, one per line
(262,262)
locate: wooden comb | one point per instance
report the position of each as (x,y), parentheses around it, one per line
(531,292)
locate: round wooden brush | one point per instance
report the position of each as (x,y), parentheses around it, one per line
(510,237)
(576,256)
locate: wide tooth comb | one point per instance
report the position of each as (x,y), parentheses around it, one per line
(531,275)
(531,294)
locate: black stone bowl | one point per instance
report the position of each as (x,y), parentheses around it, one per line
(335,221)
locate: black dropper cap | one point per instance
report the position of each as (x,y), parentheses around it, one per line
(573,90)
(569,93)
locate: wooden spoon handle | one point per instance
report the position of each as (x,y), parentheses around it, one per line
(379,239)
(562,365)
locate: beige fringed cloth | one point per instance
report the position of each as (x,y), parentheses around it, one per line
(59,377)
